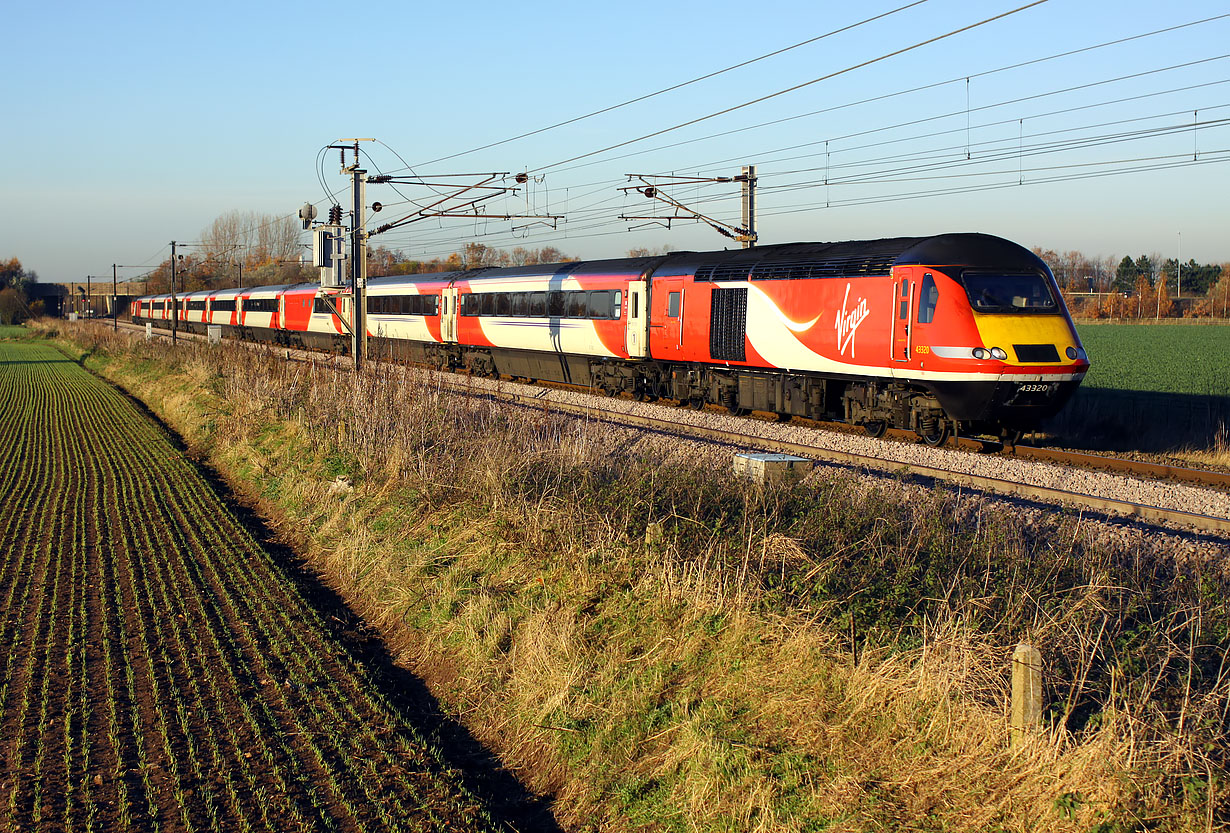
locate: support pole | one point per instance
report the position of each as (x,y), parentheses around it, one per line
(749,205)
(358,268)
(1026,693)
(87,296)
(174,303)
(115,299)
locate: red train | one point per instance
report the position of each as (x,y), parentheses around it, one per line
(934,334)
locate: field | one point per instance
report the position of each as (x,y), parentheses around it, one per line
(1162,388)
(159,670)
(1158,358)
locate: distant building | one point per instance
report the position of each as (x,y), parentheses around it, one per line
(72,297)
(53,295)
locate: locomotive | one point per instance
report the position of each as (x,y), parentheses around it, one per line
(937,335)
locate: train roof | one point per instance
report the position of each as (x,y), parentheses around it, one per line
(848,258)
(852,258)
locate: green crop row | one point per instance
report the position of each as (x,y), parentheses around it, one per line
(159,668)
(1162,358)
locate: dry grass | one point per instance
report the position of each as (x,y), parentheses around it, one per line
(661,648)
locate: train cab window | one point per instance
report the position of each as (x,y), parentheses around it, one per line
(999,293)
(673,303)
(904,312)
(928,297)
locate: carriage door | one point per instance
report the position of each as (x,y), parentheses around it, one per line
(666,318)
(903,296)
(449,298)
(637,331)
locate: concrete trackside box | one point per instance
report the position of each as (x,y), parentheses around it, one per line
(765,467)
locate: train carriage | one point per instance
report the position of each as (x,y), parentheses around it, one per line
(934,334)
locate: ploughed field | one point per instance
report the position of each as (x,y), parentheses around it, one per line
(158,670)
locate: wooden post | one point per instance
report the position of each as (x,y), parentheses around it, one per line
(1026,693)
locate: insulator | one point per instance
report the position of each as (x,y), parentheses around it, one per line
(335,215)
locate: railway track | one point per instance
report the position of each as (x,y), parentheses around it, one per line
(952,474)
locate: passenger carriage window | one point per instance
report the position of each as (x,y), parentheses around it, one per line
(672,304)
(538,304)
(600,304)
(577,305)
(503,304)
(928,297)
(635,305)
(520,304)
(555,304)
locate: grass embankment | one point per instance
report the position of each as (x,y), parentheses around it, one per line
(663,647)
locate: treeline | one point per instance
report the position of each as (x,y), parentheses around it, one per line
(1143,287)
(382,261)
(250,249)
(15,307)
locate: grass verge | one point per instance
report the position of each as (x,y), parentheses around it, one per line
(662,647)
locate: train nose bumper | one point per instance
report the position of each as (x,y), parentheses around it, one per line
(1011,400)
(1023,404)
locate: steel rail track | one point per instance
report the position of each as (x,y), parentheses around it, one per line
(994,485)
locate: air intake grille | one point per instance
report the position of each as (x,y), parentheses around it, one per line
(728,325)
(836,267)
(722,272)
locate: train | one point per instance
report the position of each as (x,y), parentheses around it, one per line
(962,333)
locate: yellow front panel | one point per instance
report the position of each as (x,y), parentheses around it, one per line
(1006,330)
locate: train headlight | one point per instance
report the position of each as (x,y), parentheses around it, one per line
(998,353)
(1072,353)
(981,353)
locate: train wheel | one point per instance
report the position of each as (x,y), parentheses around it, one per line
(876,428)
(1012,437)
(937,436)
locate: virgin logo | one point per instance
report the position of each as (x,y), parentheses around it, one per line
(847,323)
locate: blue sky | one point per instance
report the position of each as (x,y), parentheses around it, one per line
(132,124)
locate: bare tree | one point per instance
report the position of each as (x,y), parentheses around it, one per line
(251,239)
